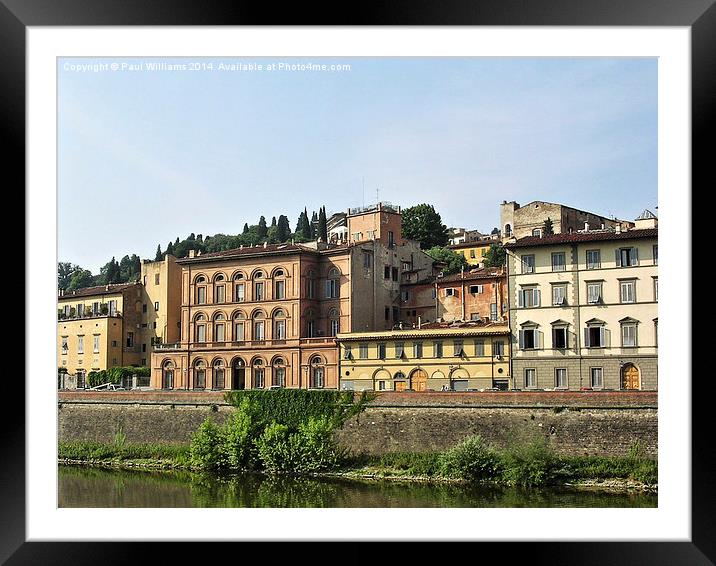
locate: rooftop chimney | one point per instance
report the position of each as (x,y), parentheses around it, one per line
(192,253)
(586,226)
(265,244)
(106,287)
(618,228)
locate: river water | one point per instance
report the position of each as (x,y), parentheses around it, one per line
(98,487)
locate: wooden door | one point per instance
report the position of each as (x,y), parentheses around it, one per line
(630,377)
(419,380)
(400,385)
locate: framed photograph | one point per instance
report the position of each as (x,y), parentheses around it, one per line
(149,102)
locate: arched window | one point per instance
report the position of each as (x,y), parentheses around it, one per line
(239,288)
(238,374)
(168,375)
(259,294)
(279,325)
(219,328)
(199,375)
(219,374)
(200,284)
(332,284)
(279,372)
(239,327)
(311,284)
(259,374)
(334,321)
(318,372)
(200,322)
(310,323)
(219,289)
(508,230)
(259,326)
(279,284)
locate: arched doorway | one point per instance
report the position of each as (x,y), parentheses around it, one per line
(631,379)
(279,373)
(399,381)
(199,375)
(168,375)
(219,373)
(317,373)
(239,374)
(259,374)
(419,380)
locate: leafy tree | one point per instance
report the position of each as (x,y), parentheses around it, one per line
(454,261)
(199,238)
(159,256)
(283,232)
(80,279)
(307,230)
(322,225)
(495,256)
(423,224)
(272,235)
(110,273)
(262,230)
(548,227)
(65,271)
(246,228)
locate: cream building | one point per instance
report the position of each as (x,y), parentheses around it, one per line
(583,308)
(438,356)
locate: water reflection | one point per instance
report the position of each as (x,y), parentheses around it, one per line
(94,487)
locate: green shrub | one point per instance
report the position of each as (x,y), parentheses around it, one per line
(205,448)
(528,463)
(275,449)
(471,460)
(237,449)
(414,463)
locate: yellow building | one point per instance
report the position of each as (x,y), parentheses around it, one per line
(438,356)
(474,252)
(97,329)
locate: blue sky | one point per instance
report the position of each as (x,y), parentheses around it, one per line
(146,156)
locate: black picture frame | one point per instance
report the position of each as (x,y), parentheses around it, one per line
(699,15)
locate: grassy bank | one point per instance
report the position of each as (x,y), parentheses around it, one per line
(529,464)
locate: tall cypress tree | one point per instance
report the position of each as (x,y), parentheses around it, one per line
(262,230)
(170,249)
(273,221)
(246,228)
(307,231)
(159,256)
(283,228)
(322,225)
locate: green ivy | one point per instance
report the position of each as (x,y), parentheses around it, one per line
(116,374)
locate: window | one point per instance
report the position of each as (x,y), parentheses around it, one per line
(331,288)
(629,335)
(530,378)
(335,326)
(381,351)
(154,325)
(347,352)
(438,349)
(450,292)
(279,373)
(627,291)
(399,349)
(476,289)
(493,312)
(95,343)
(498,348)
(156,306)
(458,348)
(528,297)
(311,328)
(367,259)
(656,288)
(387,313)
(201,333)
(64,346)
(558,261)
(508,230)
(529,339)
(156,279)
(219,381)
(594,293)
(130,339)
(386,272)
(259,326)
(219,334)
(199,375)
(114,343)
(220,293)
(81,383)
(259,291)
(381,386)
(560,378)
(240,293)
(528,264)
(80,344)
(537,232)
(144,349)
(595,336)
(474,316)
(479,348)
(559,337)
(363,351)
(201,295)
(144,307)
(279,331)
(311,288)
(391,239)
(595,378)
(594,259)
(280,290)
(655,254)
(626,257)
(394,271)
(559,294)
(239,327)
(112,308)
(404,296)
(417,349)
(472,254)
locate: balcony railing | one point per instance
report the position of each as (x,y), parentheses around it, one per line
(168,346)
(321,340)
(63,316)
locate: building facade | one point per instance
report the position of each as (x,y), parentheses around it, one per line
(474,251)
(519,221)
(467,356)
(584,309)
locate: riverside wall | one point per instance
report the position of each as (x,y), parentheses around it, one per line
(576,423)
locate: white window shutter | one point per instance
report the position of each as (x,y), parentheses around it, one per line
(538,339)
(538,294)
(602,336)
(634,252)
(522,339)
(607,337)
(618,257)
(586,337)
(520,299)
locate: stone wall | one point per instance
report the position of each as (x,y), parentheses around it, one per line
(605,423)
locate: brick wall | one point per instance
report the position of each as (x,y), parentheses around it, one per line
(574,422)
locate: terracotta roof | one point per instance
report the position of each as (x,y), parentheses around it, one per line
(98,290)
(270,249)
(576,237)
(474,244)
(483,273)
